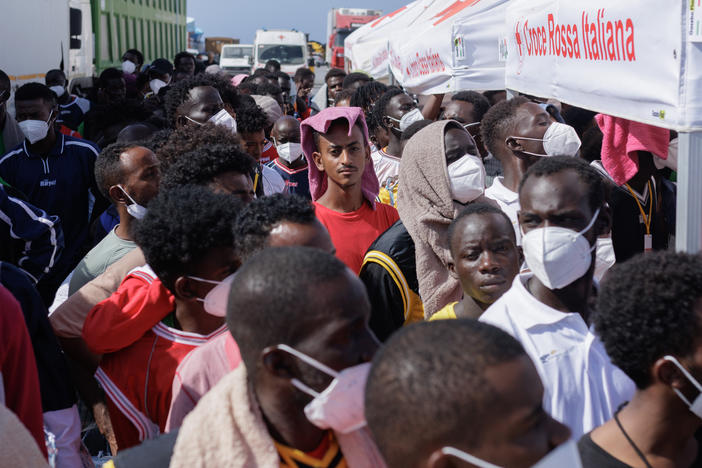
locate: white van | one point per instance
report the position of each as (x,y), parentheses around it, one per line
(287,47)
(236,58)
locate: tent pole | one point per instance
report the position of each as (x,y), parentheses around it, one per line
(688,229)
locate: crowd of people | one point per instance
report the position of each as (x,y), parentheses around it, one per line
(204,270)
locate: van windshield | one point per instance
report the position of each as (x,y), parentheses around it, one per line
(236,52)
(285,54)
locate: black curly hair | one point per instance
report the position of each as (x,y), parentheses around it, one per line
(248,87)
(597,188)
(259,217)
(108,167)
(181,225)
(186,139)
(203,164)
(251,119)
(480,103)
(498,121)
(268,89)
(334,72)
(107,75)
(382,103)
(354,77)
(366,95)
(649,307)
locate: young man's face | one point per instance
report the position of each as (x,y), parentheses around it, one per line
(342,157)
(305,86)
(517,432)
(532,122)
(560,199)
(234,183)
(114,91)
(142,171)
(286,130)
(215,264)
(35,109)
(253,143)
(485,256)
(187,65)
(204,102)
(458,143)
(397,107)
(339,337)
(132,58)
(334,86)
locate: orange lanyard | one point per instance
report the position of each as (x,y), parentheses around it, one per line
(647,221)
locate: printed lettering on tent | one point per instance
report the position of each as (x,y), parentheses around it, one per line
(621,58)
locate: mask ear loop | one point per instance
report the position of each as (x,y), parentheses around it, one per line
(589,226)
(125,192)
(687,375)
(307,360)
(467,457)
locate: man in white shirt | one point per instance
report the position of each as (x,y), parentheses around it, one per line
(563,210)
(501,129)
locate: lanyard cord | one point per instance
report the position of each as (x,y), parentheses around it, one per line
(647,221)
(631,442)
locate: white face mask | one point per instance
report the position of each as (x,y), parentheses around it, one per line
(696,405)
(59,90)
(558,256)
(215,301)
(565,455)
(128,67)
(340,406)
(559,140)
(290,151)
(409,118)
(135,210)
(156,85)
(222,118)
(466,178)
(35,130)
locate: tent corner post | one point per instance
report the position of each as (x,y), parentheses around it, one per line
(688,230)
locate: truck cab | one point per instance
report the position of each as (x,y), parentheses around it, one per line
(287,47)
(236,58)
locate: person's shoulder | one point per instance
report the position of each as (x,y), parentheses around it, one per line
(81,146)
(388,212)
(592,455)
(12,154)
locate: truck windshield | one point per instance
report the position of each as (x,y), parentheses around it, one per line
(285,54)
(341,36)
(236,52)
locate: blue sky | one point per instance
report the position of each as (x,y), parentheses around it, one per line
(241,18)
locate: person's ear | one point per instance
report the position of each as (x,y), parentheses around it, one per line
(387,122)
(184,289)
(438,459)
(452,269)
(513,144)
(117,195)
(317,158)
(181,121)
(603,225)
(276,362)
(668,373)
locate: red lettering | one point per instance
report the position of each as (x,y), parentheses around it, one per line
(550,33)
(630,52)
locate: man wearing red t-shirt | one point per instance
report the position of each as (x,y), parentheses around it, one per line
(343,183)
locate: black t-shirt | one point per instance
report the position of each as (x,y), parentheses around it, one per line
(594,456)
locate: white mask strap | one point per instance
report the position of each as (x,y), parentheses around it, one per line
(467,457)
(125,192)
(307,360)
(204,280)
(194,121)
(472,124)
(686,373)
(592,222)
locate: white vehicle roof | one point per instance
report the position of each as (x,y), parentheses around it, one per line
(279,36)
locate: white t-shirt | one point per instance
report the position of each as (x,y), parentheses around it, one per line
(582,388)
(386,167)
(508,202)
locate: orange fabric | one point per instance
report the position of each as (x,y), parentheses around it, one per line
(67,131)
(352,233)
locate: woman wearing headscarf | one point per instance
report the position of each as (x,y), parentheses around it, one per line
(440,173)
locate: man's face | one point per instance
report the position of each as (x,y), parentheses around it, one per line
(342,157)
(305,86)
(234,183)
(204,102)
(517,432)
(56,79)
(142,171)
(253,143)
(216,264)
(458,143)
(485,256)
(397,107)
(132,58)
(460,111)
(286,130)
(187,65)
(334,86)
(339,337)
(34,109)
(559,199)
(115,91)
(532,122)
(288,233)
